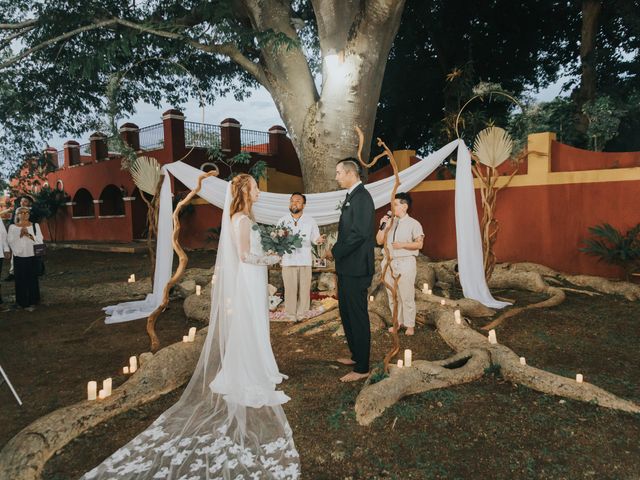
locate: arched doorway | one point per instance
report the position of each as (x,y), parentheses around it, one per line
(83,204)
(111,203)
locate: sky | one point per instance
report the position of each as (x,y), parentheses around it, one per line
(257,112)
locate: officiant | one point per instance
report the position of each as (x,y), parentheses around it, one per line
(296,266)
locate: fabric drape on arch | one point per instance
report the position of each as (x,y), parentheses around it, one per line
(270,207)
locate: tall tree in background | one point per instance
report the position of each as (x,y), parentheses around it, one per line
(57,58)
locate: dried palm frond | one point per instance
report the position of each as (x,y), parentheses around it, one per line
(146,174)
(492,146)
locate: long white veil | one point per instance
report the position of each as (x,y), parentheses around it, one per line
(206,435)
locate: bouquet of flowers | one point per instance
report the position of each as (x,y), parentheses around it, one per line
(278,239)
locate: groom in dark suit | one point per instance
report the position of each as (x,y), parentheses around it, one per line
(354,257)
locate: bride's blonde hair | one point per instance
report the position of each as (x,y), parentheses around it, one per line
(241,193)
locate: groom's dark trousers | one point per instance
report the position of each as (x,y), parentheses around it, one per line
(354,257)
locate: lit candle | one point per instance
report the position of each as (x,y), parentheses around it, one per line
(192,334)
(492,337)
(185,338)
(579,378)
(107,383)
(457,317)
(125,370)
(425,286)
(102,394)
(443,302)
(407,358)
(198,289)
(129,280)
(371,298)
(92,387)
(132,278)
(399,363)
(133,364)
(523,361)
(429,292)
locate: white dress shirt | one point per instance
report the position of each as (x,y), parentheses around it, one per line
(307,227)
(23,246)
(4,245)
(352,188)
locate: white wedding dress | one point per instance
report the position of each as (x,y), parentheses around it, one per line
(229,423)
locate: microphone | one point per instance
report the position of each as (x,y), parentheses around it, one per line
(384,224)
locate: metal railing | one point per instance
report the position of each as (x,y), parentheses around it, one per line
(152,137)
(85,149)
(254,141)
(202,135)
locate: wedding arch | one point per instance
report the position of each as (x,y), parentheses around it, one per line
(270,207)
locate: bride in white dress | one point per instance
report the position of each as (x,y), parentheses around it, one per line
(229,423)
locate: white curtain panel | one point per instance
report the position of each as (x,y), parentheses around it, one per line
(270,207)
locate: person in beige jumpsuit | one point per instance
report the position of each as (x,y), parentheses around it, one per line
(405,239)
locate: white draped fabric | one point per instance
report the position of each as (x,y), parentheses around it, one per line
(270,207)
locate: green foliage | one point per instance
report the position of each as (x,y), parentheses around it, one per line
(558,115)
(278,239)
(378,374)
(611,246)
(493,370)
(604,116)
(46,203)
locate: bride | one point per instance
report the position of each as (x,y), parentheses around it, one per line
(229,422)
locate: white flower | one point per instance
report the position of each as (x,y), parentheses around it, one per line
(162,473)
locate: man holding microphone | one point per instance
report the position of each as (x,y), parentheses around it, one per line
(404,240)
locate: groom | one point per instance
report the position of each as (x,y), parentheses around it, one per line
(353,254)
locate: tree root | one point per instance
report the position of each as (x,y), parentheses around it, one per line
(422,376)
(474,354)
(25,455)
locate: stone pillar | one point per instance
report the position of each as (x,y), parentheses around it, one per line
(99,150)
(277,134)
(539,157)
(130,134)
(71,153)
(403,158)
(173,125)
(230,136)
(51,155)
(96,208)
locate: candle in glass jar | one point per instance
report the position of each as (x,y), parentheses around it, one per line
(523,361)
(371,298)
(185,338)
(407,358)
(399,363)
(579,378)
(443,302)
(133,364)
(92,388)
(102,394)
(492,337)
(192,334)
(198,289)
(457,317)
(107,383)
(125,370)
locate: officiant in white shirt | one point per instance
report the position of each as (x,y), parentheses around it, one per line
(296,266)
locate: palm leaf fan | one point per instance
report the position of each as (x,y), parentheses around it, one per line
(145,172)
(492,146)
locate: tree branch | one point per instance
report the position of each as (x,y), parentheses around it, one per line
(46,43)
(13,36)
(17,26)
(227,49)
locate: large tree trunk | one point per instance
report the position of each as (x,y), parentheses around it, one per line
(355,39)
(590,13)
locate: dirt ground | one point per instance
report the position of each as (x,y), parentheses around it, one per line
(490,429)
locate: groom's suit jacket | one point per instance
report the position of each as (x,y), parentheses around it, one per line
(354,249)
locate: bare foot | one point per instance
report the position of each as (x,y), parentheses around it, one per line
(345,361)
(409,331)
(391,329)
(354,377)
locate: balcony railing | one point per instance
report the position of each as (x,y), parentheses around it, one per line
(202,135)
(152,137)
(254,141)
